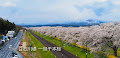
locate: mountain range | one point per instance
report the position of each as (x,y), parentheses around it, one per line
(88,22)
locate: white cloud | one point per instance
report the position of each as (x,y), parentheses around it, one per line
(101,0)
(63,10)
(116,2)
(8,3)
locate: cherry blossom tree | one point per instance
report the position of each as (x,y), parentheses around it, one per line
(97,36)
(107,34)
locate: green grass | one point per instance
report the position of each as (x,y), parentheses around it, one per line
(71,48)
(43,54)
(28,43)
(112,52)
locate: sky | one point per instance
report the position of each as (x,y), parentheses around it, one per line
(59,11)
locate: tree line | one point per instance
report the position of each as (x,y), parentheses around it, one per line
(5,26)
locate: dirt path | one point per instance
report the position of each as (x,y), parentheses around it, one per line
(25,39)
(60,54)
(24,35)
(34,46)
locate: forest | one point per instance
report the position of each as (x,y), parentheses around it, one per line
(5,26)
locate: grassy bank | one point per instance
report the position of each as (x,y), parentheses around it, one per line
(43,54)
(69,47)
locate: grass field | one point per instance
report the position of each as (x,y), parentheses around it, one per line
(71,48)
(43,54)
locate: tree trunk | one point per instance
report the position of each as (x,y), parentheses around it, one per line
(115,51)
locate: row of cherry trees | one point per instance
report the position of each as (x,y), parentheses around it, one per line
(98,37)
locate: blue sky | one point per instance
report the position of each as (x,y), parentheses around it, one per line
(59,11)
